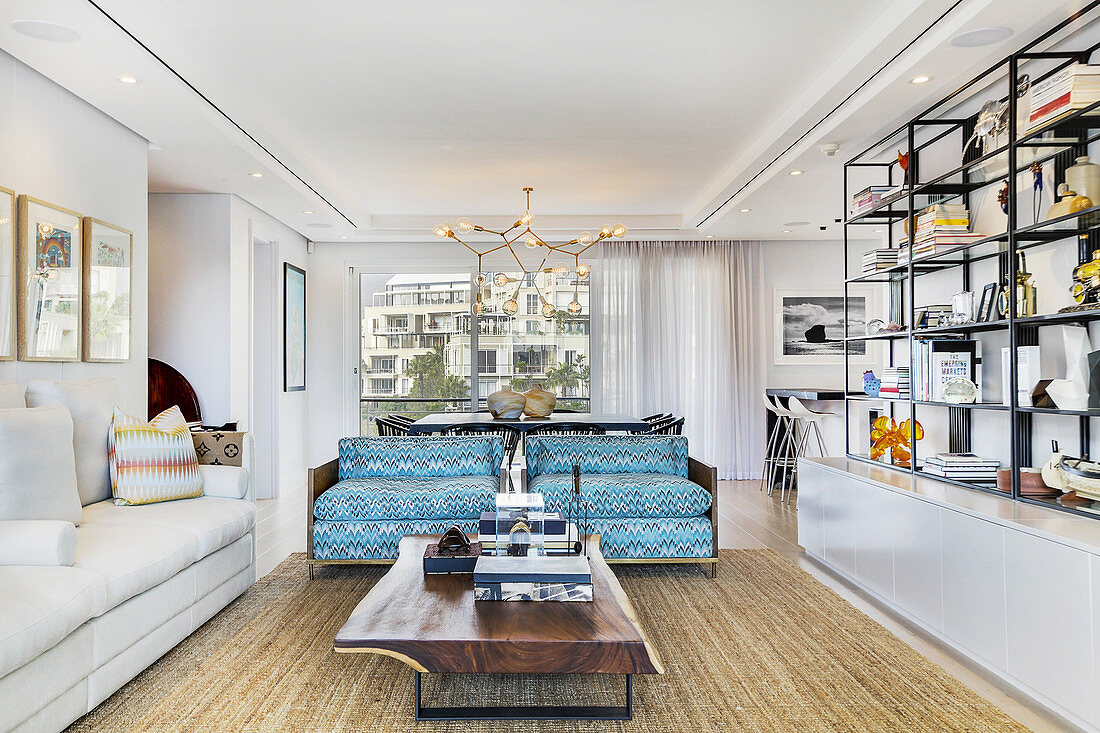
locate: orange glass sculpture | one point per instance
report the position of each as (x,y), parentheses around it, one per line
(888,435)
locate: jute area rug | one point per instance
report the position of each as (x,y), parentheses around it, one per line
(765,647)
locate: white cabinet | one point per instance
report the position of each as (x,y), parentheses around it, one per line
(1021,600)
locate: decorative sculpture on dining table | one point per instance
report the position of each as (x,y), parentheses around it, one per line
(888,435)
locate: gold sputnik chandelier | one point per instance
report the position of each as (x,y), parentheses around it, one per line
(521,230)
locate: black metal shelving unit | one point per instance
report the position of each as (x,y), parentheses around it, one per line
(1057,143)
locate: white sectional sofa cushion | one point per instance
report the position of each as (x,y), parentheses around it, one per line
(214,522)
(91,404)
(41,606)
(11,395)
(38,473)
(228,482)
(132,558)
(37,542)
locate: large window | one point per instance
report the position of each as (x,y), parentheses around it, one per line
(417,353)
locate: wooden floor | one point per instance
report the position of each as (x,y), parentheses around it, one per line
(748,519)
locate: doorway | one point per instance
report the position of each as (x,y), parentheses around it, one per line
(264,363)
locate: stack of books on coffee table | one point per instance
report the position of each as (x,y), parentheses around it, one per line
(532,578)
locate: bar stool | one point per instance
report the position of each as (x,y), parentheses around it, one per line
(780,438)
(809,422)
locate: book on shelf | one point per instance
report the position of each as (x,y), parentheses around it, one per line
(1027,373)
(1068,90)
(960,459)
(961,475)
(894,382)
(879,259)
(937,360)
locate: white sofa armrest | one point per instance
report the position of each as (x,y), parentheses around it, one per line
(228,482)
(37,542)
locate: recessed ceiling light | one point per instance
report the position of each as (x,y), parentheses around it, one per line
(308,211)
(44,30)
(256,175)
(981,37)
(920,79)
(710,236)
(127,79)
(796,173)
(343,236)
(745,211)
(786,231)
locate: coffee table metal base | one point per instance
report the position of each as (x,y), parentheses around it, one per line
(531,712)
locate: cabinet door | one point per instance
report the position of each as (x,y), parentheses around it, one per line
(974,585)
(918,578)
(812,481)
(1050,620)
(876,511)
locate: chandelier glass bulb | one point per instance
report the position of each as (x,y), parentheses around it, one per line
(510,307)
(583,270)
(531,241)
(548,310)
(605,232)
(525,220)
(561,269)
(443,230)
(619,230)
(574,307)
(500,279)
(586,238)
(464,225)
(479,307)
(481,279)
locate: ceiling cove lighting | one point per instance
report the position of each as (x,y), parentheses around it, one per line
(44,30)
(128,79)
(521,231)
(981,37)
(920,79)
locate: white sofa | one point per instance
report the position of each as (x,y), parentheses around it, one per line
(84,608)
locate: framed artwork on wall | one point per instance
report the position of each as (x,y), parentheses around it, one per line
(50,268)
(294,328)
(107,276)
(809,325)
(7,274)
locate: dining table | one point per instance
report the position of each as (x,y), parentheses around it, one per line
(437,422)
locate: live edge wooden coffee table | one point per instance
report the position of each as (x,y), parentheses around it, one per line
(432,624)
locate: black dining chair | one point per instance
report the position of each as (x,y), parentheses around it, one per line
(670,426)
(657,418)
(398,417)
(388,427)
(508,433)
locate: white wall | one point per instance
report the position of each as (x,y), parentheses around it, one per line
(200,310)
(56,147)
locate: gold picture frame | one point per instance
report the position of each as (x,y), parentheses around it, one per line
(107,281)
(50,266)
(7,274)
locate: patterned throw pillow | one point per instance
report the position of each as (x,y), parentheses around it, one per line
(152,461)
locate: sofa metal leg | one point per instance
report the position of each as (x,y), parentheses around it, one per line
(714,570)
(311,571)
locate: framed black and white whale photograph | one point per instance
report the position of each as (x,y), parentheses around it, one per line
(809,325)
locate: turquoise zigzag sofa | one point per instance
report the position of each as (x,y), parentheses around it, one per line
(381,489)
(648,500)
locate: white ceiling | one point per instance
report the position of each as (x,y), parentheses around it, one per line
(401,114)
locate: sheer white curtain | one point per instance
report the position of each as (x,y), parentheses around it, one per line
(679,327)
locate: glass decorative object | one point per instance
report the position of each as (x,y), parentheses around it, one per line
(962,307)
(960,391)
(520,530)
(888,435)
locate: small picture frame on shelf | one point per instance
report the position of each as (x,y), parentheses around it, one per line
(920,319)
(987,303)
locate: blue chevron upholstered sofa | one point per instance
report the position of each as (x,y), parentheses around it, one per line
(648,500)
(381,489)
